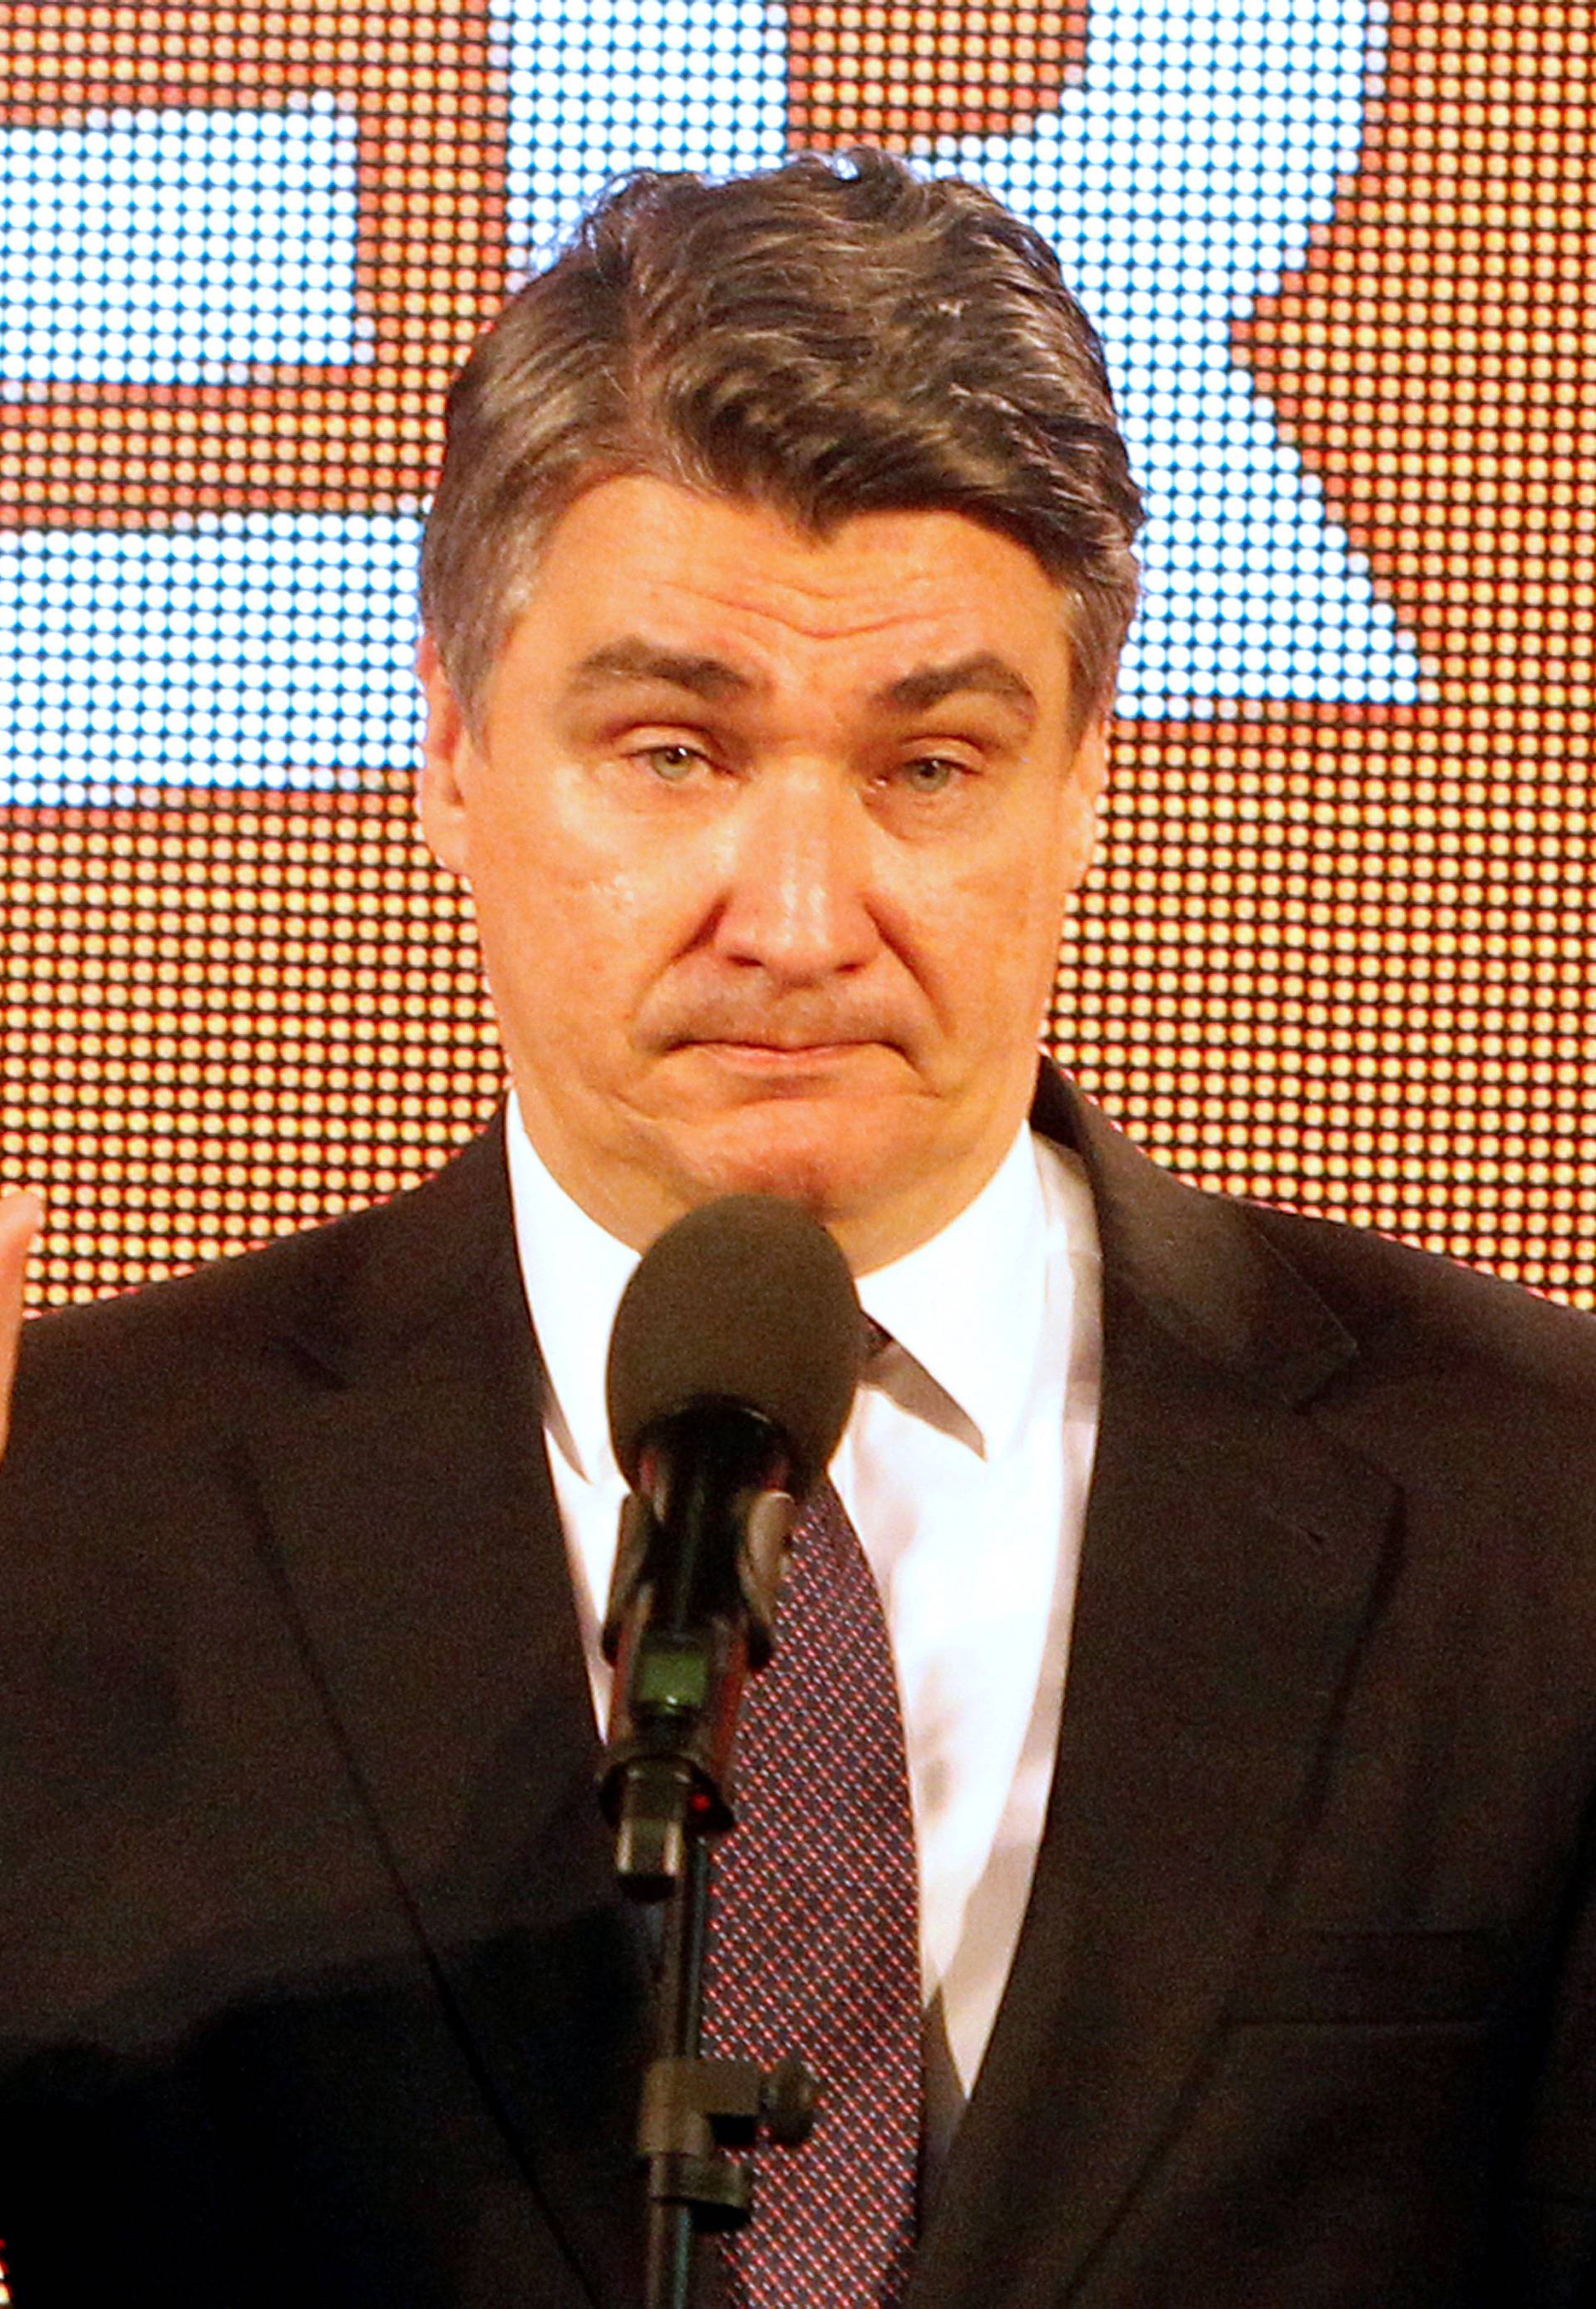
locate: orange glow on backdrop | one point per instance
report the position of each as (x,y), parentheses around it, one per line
(1339,949)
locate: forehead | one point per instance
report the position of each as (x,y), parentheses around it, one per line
(740,582)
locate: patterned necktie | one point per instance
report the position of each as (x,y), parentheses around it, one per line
(814,1938)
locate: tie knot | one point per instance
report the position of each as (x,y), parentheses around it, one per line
(876,1337)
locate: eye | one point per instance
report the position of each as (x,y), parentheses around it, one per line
(930,774)
(672,765)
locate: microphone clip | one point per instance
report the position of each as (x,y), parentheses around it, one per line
(695,2110)
(692,1613)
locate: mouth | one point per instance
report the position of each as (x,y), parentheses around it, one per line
(773,1062)
(762,1052)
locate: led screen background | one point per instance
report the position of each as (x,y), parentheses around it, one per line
(1337,950)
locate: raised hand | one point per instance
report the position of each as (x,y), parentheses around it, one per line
(19,1224)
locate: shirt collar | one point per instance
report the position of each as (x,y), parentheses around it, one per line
(574,1273)
(969,1306)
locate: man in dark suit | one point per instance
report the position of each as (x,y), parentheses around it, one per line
(780,560)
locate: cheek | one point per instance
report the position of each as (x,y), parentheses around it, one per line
(575,931)
(1011,972)
(998,949)
(559,828)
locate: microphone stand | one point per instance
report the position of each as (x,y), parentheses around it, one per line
(687,1622)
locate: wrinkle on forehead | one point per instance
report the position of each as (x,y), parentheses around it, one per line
(871,592)
(641,571)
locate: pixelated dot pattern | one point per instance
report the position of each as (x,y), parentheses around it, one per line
(1337,951)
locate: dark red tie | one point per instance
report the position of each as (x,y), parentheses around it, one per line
(814,1938)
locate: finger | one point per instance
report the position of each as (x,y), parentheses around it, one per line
(20,1215)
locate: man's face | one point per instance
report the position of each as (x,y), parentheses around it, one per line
(769,841)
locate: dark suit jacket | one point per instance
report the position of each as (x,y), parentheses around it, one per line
(313,1985)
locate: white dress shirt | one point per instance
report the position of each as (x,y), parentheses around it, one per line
(964,1466)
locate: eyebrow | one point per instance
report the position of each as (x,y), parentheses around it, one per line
(984,672)
(634,659)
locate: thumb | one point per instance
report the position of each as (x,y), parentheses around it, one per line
(20,1215)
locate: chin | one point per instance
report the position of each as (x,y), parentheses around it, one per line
(815,1168)
(808,1180)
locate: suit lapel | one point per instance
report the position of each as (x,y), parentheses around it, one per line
(412,1523)
(1229,1566)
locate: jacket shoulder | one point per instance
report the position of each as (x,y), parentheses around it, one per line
(175,1353)
(1287,1302)
(1397,1298)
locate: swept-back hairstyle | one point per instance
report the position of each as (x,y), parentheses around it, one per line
(828,339)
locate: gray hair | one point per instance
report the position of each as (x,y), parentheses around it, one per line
(827,339)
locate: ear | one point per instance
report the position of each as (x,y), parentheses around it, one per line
(1083,791)
(448,757)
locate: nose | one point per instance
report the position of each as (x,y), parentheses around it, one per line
(796,901)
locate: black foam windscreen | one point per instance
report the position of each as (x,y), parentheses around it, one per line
(747,1300)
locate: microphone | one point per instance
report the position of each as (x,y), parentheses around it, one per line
(733,1367)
